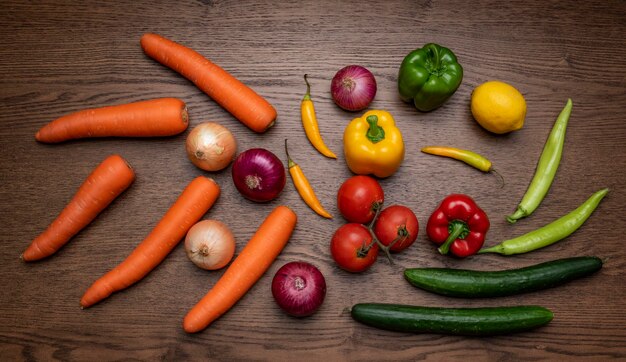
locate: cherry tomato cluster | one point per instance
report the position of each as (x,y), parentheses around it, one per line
(370,228)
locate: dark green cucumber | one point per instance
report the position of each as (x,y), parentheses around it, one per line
(458,321)
(481,284)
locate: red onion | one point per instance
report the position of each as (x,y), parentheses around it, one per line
(259,175)
(299,288)
(353,88)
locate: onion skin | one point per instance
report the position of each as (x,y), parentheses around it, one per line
(299,288)
(353,88)
(211,146)
(210,244)
(259,175)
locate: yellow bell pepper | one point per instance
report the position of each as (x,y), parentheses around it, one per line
(373,144)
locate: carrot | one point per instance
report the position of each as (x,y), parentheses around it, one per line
(241,101)
(108,180)
(156,117)
(195,200)
(255,258)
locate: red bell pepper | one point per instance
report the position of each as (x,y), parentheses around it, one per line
(458,225)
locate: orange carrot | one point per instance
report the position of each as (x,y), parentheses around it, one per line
(191,205)
(156,117)
(109,179)
(255,258)
(242,102)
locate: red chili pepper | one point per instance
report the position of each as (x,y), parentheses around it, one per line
(458,225)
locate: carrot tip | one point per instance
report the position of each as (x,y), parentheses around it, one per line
(269,125)
(185,115)
(38,136)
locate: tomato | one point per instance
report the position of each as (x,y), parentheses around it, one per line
(396,221)
(358,197)
(353,248)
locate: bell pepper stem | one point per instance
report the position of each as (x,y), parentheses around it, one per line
(375,133)
(434,56)
(457,229)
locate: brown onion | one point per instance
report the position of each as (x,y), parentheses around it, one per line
(210,146)
(210,244)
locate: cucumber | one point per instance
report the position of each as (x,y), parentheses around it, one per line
(458,321)
(481,284)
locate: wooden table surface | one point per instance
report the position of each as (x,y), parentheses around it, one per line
(62,56)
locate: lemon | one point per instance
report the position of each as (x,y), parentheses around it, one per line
(498,107)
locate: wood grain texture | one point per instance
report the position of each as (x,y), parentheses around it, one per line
(61,56)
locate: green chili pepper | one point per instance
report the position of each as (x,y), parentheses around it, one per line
(546,168)
(550,233)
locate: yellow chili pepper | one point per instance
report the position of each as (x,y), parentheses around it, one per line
(471,158)
(309,122)
(373,144)
(304,187)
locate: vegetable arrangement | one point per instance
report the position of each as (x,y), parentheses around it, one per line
(195,200)
(354,246)
(373,145)
(551,233)
(243,273)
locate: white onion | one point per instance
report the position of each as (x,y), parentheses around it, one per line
(210,146)
(210,244)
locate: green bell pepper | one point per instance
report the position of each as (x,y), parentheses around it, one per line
(429,76)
